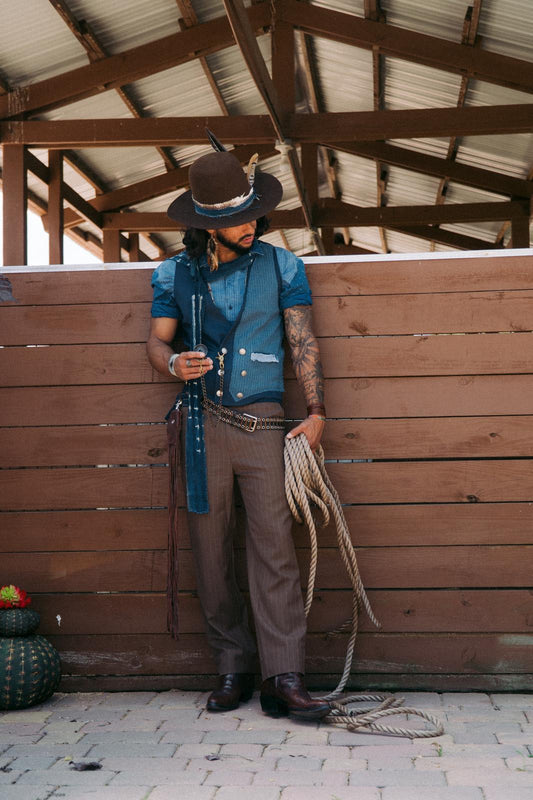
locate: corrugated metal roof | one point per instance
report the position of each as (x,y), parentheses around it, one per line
(344,83)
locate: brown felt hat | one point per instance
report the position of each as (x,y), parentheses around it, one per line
(222,195)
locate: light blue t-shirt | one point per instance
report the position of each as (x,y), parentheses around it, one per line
(228,283)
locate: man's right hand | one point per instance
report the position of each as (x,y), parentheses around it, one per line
(191,364)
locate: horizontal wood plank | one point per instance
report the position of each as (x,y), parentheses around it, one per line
(370,526)
(459,312)
(466,395)
(380,653)
(75,324)
(423,682)
(395,567)
(404,611)
(376,482)
(374,277)
(382,356)
(470,437)
(355,277)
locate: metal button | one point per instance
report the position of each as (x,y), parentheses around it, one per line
(223,351)
(221,372)
(242,351)
(244,373)
(219,393)
(240,395)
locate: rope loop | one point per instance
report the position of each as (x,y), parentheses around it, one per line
(306,482)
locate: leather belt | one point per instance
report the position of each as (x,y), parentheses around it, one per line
(246,422)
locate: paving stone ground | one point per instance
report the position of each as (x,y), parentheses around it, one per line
(165,746)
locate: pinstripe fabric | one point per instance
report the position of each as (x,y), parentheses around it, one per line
(256,461)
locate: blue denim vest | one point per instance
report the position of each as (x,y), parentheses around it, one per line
(253,362)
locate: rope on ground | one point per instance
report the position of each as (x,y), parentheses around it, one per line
(306,482)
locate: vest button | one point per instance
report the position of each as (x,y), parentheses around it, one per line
(240,395)
(223,351)
(219,393)
(244,373)
(242,351)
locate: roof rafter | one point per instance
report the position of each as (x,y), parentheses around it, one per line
(483,65)
(131,65)
(247,43)
(208,37)
(95,51)
(439,167)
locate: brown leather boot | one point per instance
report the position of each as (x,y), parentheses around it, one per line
(286,694)
(233,689)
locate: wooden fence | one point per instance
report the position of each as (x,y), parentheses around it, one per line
(429,368)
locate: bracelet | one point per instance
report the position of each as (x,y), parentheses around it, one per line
(316,408)
(317,416)
(170,364)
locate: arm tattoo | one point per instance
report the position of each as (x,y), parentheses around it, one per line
(305,353)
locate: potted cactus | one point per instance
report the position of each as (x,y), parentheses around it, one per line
(30,669)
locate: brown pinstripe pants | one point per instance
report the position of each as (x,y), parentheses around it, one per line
(256,461)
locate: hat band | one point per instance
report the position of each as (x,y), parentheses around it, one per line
(227,208)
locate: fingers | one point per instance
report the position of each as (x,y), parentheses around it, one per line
(312,428)
(193,365)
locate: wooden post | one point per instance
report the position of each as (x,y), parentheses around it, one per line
(55,207)
(520,230)
(134,250)
(283,73)
(111,246)
(15,205)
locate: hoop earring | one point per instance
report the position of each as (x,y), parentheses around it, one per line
(212,257)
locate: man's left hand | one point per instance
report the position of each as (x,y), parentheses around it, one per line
(312,427)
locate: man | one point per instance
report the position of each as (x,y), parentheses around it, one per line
(232,296)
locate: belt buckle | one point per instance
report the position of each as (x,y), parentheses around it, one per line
(252,425)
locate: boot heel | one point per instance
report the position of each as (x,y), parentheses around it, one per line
(273,706)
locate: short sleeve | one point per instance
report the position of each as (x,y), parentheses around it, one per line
(295,289)
(163,303)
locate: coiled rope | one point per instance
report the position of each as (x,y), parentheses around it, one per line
(306,482)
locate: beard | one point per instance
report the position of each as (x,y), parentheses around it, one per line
(235,247)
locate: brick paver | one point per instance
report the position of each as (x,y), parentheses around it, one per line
(164,745)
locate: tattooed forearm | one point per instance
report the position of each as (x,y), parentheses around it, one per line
(305,353)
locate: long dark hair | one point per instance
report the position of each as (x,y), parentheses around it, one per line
(195,239)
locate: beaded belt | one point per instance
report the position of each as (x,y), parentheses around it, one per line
(247,422)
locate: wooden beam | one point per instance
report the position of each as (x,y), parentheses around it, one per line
(443,236)
(332,212)
(111,240)
(128,66)
(443,54)
(245,38)
(55,207)
(440,167)
(336,214)
(84,208)
(520,230)
(258,129)
(15,191)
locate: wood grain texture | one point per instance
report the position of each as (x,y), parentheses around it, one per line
(153,654)
(464,395)
(459,312)
(376,482)
(382,356)
(393,567)
(399,611)
(370,526)
(471,437)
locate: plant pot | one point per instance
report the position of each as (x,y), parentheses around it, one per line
(30,669)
